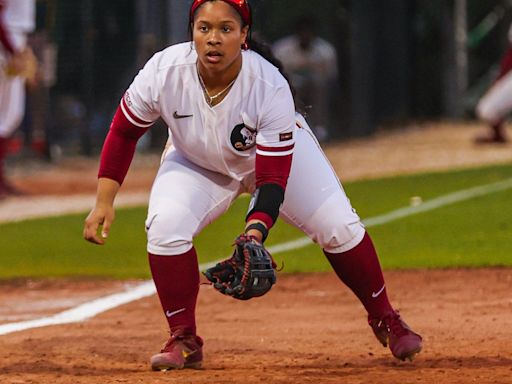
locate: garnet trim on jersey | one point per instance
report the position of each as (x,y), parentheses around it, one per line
(241,6)
(132,118)
(272,171)
(274,151)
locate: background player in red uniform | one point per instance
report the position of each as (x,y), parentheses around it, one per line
(17,19)
(232,129)
(494,106)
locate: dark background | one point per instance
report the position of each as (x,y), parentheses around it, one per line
(395,58)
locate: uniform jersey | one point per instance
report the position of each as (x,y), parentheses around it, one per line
(256,116)
(19,15)
(17,18)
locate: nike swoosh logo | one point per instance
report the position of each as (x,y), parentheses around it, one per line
(177,116)
(171,314)
(374,295)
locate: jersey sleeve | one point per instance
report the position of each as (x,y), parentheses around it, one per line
(141,102)
(5,40)
(274,149)
(276,131)
(506,63)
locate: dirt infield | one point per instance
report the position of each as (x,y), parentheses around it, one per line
(308,329)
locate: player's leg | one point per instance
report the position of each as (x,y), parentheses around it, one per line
(12,102)
(324,213)
(493,108)
(184,199)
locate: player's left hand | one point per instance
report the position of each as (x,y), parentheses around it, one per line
(249,273)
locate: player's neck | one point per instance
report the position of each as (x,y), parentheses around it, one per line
(214,81)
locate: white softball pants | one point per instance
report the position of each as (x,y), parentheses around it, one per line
(186,198)
(12,93)
(496,104)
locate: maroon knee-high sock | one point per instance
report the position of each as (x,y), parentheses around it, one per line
(177,283)
(499,130)
(360,270)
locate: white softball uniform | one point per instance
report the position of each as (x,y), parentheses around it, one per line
(18,20)
(212,156)
(496,104)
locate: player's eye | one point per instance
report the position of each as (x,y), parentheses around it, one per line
(226,28)
(203,28)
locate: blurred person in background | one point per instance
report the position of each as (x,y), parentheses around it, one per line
(39,135)
(17,20)
(496,104)
(312,66)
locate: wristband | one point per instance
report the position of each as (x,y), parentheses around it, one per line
(260,227)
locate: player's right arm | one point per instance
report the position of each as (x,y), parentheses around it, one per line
(103,213)
(136,113)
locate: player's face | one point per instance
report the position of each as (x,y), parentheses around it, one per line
(218,35)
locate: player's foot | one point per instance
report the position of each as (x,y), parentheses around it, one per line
(495,138)
(14,191)
(8,189)
(391,330)
(180,351)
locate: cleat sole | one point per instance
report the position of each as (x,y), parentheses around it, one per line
(410,356)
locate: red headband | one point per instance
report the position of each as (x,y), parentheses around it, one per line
(241,6)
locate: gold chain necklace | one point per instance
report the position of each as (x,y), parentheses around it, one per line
(211,99)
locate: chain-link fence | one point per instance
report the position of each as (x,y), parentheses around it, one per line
(395,60)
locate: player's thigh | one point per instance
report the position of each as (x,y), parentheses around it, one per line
(184,199)
(496,103)
(315,201)
(12,103)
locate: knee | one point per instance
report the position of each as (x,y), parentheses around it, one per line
(341,236)
(486,112)
(335,225)
(169,234)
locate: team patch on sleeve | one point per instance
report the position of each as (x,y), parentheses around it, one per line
(286,136)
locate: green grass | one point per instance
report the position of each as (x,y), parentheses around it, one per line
(472,233)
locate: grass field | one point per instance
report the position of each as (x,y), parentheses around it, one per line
(471,233)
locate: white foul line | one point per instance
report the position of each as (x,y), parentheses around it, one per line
(95,307)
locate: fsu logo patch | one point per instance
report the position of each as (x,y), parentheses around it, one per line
(243,137)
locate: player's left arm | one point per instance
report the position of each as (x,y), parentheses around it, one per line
(505,64)
(250,272)
(275,142)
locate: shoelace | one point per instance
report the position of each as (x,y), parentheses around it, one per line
(395,325)
(171,341)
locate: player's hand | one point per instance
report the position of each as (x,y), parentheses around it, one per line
(101,217)
(24,64)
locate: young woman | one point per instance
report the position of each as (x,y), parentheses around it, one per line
(233,129)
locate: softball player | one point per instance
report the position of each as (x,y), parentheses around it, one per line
(496,104)
(233,129)
(17,19)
